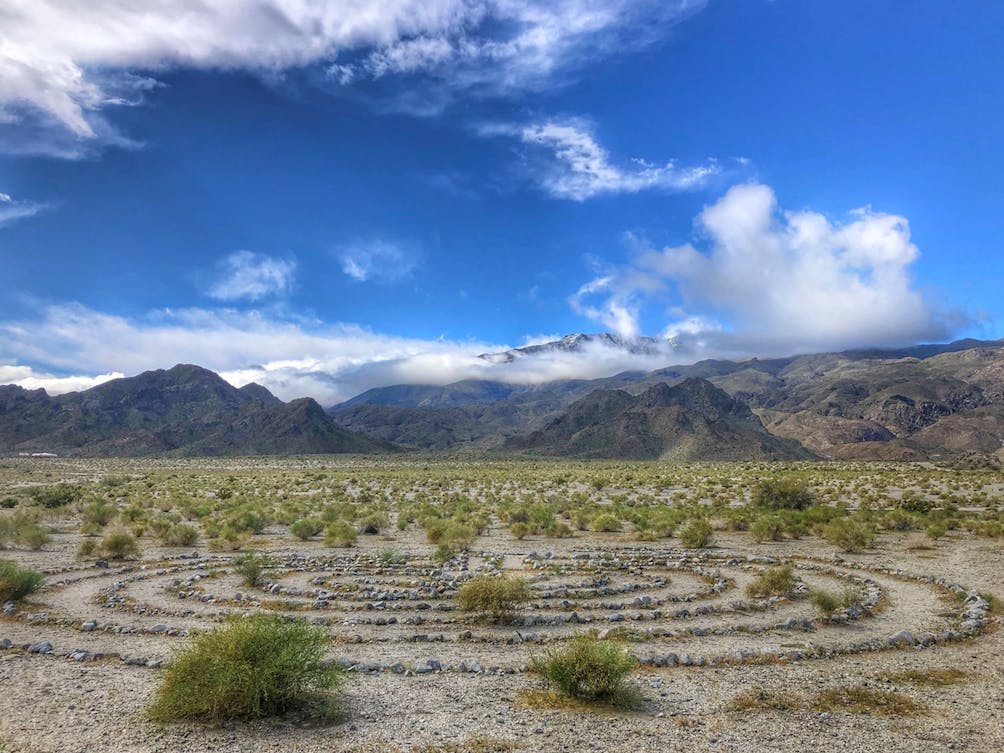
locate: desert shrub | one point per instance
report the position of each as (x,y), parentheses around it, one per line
(497,596)
(16,582)
(519,530)
(250,566)
(340,534)
(254,667)
(606,523)
(181,534)
(696,534)
(373,523)
(911,501)
(24,530)
(56,496)
(828,603)
(588,669)
(96,516)
(559,530)
(767,528)
(850,535)
(777,581)
(118,545)
(783,494)
(936,531)
(9,502)
(305,528)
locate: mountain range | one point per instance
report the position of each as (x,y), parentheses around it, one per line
(924,402)
(185,410)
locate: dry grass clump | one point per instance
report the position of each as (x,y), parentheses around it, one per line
(250,566)
(761,699)
(864,700)
(495,595)
(928,678)
(828,603)
(777,581)
(848,699)
(255,667)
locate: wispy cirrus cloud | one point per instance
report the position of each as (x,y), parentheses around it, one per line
(12,210)
(252,276)
(70,61)
(568,162)
(379,261)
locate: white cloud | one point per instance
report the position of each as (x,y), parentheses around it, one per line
(578,168)
(30,379)
(69,59)
(12,210)
(773,282)
(247,275)
(328,362)
(377,261)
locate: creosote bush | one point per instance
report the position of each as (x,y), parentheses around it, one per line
(589,669)
(254,667)
(16,582)
(496,595)
(783,494)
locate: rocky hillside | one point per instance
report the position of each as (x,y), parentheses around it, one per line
(185,410)
(693,420)
(926,402)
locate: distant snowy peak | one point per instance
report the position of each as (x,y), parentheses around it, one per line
(578,343)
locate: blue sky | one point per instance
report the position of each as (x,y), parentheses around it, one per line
(324,200)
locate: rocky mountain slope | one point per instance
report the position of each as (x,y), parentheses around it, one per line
(929,401)
(693,420)
(185,410)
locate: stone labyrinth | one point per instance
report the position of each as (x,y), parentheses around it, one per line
(671,608)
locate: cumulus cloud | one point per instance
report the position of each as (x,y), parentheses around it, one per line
(292,358)
(377,261)
(70,59)
(776,282)
(251,276)
(576,167)
(12,210)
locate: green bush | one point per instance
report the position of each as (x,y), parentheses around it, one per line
(767,528)
(783,494)
(250,566)
(497,596)
(850,535)
(56,496)
(16,582)
(255,667)
(340,534)
(605,523)
(519,530)
(777,581)
(306,528)
(181,534)
(828,603)
(588,669)
(696,534)
(118,545)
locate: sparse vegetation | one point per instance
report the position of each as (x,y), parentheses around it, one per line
(589,669)
(251,566)
(498,596)
(16,582)
(777,581)
(253,667)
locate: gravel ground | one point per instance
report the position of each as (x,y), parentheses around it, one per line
(49,703)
